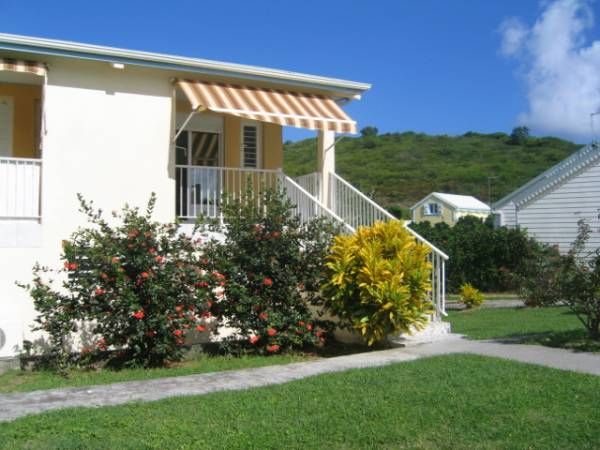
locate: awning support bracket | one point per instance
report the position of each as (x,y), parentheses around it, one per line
(187,120)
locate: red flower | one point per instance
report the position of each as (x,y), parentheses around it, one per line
(309,326)
(100,291)
(159,259)
(132,234)
(319,333)
(139,315)
(71,265)
(115,260)
(152,250)
(301,323)
(206,314)
(263,316)
(178,308)
(272,348)
(104,276)
(144,275)
(202,284)
(218,276)
(271,331)
(177,333)
(267,281)
(254,339)
(200,328)
(275,234)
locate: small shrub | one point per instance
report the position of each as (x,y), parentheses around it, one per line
(538,284)
(274,267)
(579,281)
(378,279)
(140,286)
(470,296)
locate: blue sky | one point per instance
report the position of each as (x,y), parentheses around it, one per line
(437,66)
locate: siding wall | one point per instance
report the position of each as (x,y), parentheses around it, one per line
(552,218)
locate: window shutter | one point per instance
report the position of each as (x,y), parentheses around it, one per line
(250,146)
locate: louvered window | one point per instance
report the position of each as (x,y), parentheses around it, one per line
(250,144)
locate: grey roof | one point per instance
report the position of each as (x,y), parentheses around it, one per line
(42,46)
(557,174)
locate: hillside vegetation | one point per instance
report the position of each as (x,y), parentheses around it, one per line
(398,169)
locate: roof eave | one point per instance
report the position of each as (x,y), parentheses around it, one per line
(39,46)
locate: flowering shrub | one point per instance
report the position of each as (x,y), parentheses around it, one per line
(274,267)
(470,295)
(139,284)
(378,281)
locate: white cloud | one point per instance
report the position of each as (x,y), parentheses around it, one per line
(561,68)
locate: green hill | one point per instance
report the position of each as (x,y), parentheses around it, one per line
(398,169)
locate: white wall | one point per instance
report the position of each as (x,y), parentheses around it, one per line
(552,217)
(108,137)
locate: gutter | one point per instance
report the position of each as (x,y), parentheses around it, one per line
(51,47)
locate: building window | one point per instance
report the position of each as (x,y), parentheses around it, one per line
(197,148)
(250,146)
(432,209)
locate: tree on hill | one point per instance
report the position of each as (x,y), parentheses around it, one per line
(369,131)
(519,136)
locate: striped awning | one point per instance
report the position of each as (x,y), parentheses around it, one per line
(17,65)
(296,109)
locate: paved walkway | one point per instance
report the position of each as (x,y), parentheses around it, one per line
(16,405)
(507,303)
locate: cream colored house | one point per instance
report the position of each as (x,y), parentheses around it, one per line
(116,125)
(448,208)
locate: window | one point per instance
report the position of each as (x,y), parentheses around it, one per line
(6,126)
(432,209)
(197,148)
(250,146)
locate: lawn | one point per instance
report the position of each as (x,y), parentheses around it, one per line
(455,401)
(552,326)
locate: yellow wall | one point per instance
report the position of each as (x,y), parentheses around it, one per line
(26,119)
(272,146)
(448,214)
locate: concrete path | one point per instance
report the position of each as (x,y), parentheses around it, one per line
(16,405)
(508,303)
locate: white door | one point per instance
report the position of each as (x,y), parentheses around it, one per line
(6,126)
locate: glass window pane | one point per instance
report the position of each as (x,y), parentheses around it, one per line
(181,149)
(205,149)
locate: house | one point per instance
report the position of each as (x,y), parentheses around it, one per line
(448,208)
(550,205)
(116,125)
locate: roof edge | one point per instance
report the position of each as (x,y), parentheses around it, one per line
(44,46)
(556,172)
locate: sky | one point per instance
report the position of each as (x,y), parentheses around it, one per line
(436,66)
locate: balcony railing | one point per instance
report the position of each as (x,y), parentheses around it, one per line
(20,182)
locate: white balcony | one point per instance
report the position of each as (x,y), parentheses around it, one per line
(20,183)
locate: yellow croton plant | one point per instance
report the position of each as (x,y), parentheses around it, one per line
(378,280)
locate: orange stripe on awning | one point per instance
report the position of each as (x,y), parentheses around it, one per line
(297,109)
(17,65)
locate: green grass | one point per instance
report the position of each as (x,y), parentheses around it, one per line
(398,169)
(552,326)
(457,401)
(21,381)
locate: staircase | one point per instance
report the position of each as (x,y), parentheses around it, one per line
(354,209)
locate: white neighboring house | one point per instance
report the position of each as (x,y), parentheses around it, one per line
(116,125)
(448,208)
(550,205)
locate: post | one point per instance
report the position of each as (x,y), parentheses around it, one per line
(325,163)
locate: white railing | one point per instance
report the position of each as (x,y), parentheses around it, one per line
(352,205)
(20,183)
(308,206)
(200,189)
(356,209)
